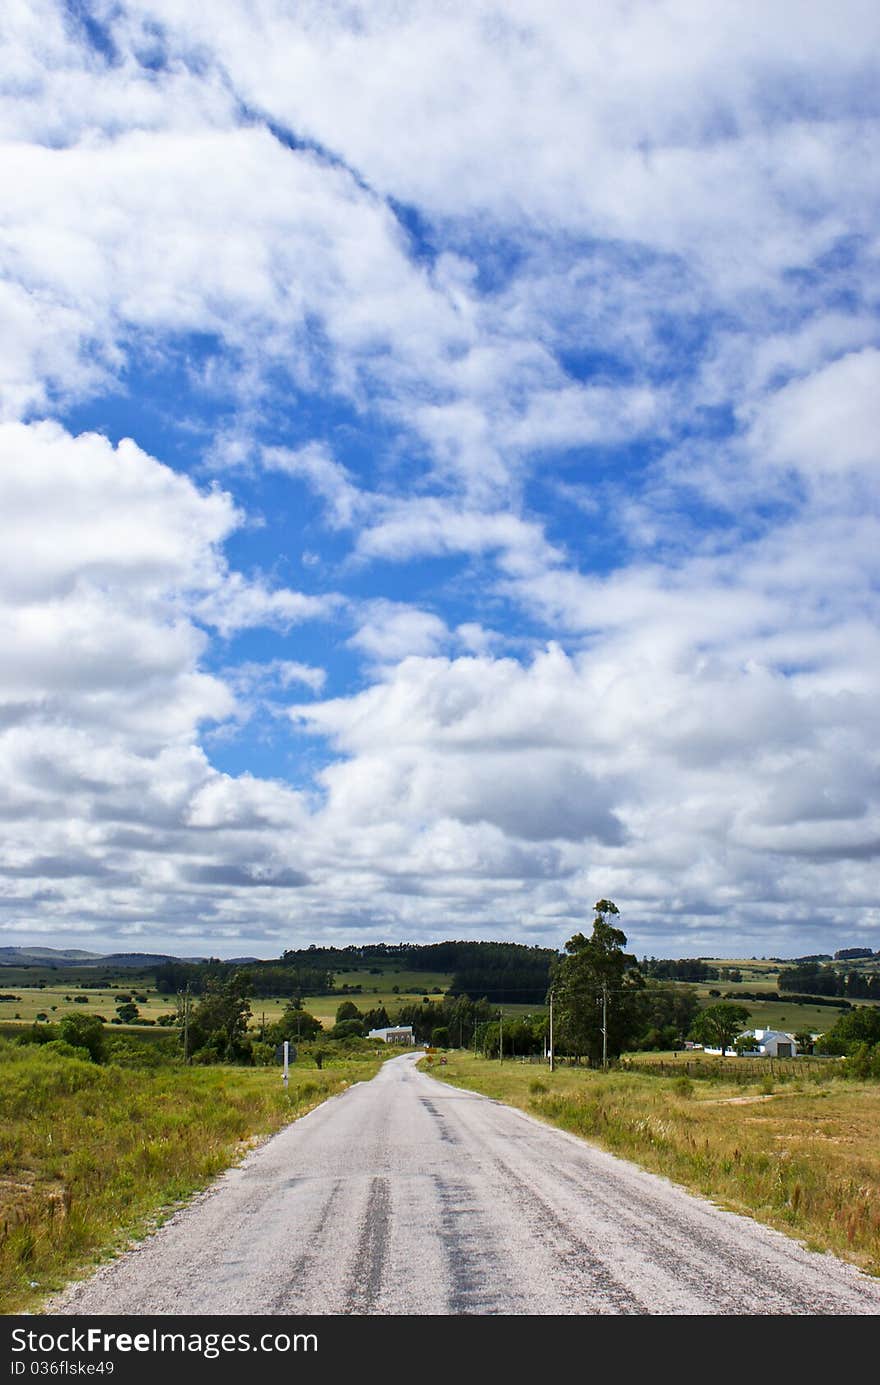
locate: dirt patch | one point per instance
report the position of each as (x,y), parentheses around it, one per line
(739,1100)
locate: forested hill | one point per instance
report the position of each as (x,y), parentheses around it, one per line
(504,972)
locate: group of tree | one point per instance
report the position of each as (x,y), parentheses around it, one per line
(719,1026)
(856,1036)
(606,1003)
(503,973)
(264,978)
(218,1027)
(812,978)
(682,969)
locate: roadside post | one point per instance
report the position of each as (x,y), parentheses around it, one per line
(286,1060)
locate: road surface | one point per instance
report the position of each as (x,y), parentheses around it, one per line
(406,1196)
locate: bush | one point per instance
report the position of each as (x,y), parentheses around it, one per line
(347,1029)
(347,1011)
(864,1062)
(39,1034)
(66,1050)
(84,1031)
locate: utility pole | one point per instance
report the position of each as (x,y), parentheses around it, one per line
(186,1024)
(552,1064)
(605,1025)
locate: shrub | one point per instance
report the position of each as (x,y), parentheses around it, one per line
(84,1031)
(66,1050)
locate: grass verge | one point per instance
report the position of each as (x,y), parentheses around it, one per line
(94,1156)
(800,1155)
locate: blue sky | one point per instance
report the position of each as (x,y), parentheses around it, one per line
(439,460)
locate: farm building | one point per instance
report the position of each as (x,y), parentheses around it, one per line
(770,1043)
(394,1034)
(767,1043)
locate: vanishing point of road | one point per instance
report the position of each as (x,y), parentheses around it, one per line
(404,1195)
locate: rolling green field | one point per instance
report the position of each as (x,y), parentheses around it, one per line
(799,1152)
(57,1000)
(93,1156)
(381,983)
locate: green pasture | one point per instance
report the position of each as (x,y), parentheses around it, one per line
(383,980)
(56,1000)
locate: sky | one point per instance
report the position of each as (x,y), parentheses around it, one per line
(438,473)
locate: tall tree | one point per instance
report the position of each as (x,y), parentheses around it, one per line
(595,987)
(84,1031)
(719,1025)
(220,1020)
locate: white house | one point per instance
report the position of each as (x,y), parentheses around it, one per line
(770,1043)
(393,1034)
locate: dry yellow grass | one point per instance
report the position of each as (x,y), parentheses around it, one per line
(806,1160)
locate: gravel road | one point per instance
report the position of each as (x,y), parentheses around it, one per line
(405,1196)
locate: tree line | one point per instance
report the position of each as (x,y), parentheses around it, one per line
(811,978)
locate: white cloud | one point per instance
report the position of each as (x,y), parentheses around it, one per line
(345,501)
(619,258)
(238,603)
(78,510)
(648,121)
(276,673)
(111,558)
(389,631)
(827,422)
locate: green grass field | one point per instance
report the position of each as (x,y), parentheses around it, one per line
(799,1152)
(381,984)
(57,1000)
(93,1156)
(54,1001)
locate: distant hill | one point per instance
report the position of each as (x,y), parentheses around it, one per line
(16,956)
(141,959)
(74,956)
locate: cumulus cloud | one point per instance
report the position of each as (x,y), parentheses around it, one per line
(389,631)
(112,559)
(566,319)
(826,422)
